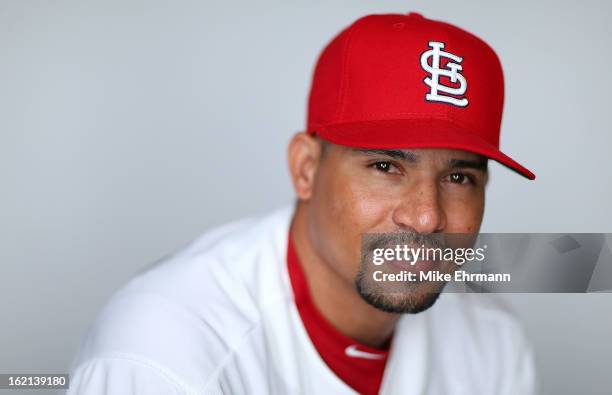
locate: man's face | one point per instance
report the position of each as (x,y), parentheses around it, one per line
(414,194)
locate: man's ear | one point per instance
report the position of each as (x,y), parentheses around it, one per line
(303,155)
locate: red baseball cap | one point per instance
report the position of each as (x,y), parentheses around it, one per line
(404,81)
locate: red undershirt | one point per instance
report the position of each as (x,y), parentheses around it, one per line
(358,365)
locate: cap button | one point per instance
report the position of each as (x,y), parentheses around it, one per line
(415,15)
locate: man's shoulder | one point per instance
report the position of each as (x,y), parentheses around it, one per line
(232,240)
(474,341)
(218,266)
(476,312)
(190,311)
(481,325)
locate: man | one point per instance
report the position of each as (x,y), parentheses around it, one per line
(403,114)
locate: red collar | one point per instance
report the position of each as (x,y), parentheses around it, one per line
(358,365)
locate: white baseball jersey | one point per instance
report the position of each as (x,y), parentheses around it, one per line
(219,318)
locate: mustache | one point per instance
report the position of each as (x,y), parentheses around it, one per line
(372,241)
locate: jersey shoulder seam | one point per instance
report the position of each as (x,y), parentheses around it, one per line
(247,336)
(137,359)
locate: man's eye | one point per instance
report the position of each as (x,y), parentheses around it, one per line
(459,178)
(385,167)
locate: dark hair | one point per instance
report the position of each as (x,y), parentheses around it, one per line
(324,146)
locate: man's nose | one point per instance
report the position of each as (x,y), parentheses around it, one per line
(420,209)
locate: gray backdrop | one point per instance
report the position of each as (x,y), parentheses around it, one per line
(128,128)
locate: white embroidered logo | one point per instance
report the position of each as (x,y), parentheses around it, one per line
(352,351)
(439,92)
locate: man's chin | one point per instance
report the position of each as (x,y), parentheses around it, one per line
(405,303)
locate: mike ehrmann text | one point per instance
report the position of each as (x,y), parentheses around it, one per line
(435,275)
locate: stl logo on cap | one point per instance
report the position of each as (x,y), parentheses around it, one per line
(438,91)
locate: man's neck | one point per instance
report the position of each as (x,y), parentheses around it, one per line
(336,298)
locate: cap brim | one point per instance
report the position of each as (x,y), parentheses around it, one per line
(401,134)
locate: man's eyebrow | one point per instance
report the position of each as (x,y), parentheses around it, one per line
(478,164)
(406,156)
